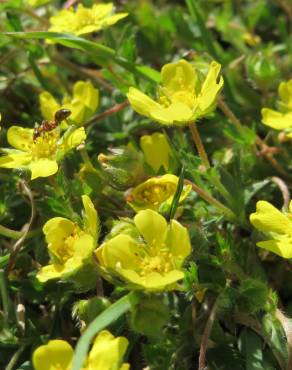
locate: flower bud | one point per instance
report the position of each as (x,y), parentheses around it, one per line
(262,70)
(87,309)
(123,166)
(149,316)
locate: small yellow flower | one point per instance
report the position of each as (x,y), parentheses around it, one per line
(156,191)
(281,120)
(82,104)
(106,354)
(182,98)
(277,225)
(39,155)
(69,245)
(85,20)
(152,261)
(157,151)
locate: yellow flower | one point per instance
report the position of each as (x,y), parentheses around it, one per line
(82,104)
(152,261)
(156,150)
(181,98)
(277,225)
(85,20)
(106,354)
(156,191)
(281,120)
(41,154)
(70,246)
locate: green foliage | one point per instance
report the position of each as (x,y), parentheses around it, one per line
(229,283)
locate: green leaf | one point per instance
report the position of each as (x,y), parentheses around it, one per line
(103,53)
(252,347)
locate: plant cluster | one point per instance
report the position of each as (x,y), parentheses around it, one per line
(145,168)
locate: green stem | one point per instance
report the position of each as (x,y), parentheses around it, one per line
(14,359)
(100,322)
(4,297)
(211,200)
(13,234)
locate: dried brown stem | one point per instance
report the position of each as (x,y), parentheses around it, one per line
(17,246)
(284,190)
(205,337)
(199,144)
(116,108)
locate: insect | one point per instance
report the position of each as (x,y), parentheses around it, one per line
(47,126)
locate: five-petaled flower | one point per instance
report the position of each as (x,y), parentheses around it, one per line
(152,260)
(156,191)
(85,20)
(281,120)
(106,354)
(41,154)
(182,98)
(82,104)
(277,225)
(69,245)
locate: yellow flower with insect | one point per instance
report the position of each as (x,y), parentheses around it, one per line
(281,120)
(157,151)
(82,104)
(39,153)
(277,225)
(182,97)
(155,192)
(70,245)
(148,255)
(85,20)
(107,353)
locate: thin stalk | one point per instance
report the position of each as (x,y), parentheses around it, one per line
(211,200)
(113,110)
(13,234)
(199,144)
(14,359)
(4,297)
(205,337)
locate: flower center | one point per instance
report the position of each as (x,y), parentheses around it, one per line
(45,146)
(66,249)
(158,259)
(156,193)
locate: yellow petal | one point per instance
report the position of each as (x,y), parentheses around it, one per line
(276,120)
(56,354)
(85,101)
(176,113)
(282,248)
(270,220)
(153,281)
(211,87)
(109,21)
(285,92)
(119,252)
(141,103)
(91,216)
(56,230)
(178,240)
(107,351)
(156,150)
(82,248)
(20,138)
(151,225)
(178,76)
(70,140)
(49,272)
(42,168)
(15,159)
(48,105)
